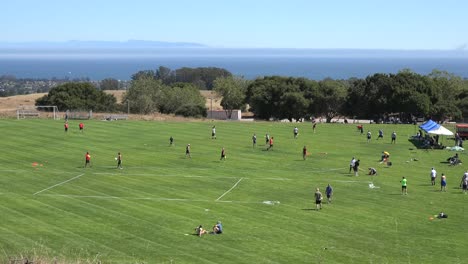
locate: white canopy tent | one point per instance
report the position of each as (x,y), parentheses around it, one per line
(441,131)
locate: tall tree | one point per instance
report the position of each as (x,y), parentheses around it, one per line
(166,75)
(232,90)
(78,96)
(144,95)
(330,98)
(183,99)
(146,74)
(109,84)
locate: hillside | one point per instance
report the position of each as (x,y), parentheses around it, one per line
(9,104)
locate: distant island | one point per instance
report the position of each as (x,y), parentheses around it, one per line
(74,44)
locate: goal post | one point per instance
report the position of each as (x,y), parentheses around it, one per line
(23,112)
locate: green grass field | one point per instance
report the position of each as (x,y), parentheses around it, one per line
(52,207)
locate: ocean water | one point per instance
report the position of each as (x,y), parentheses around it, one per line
(249,65)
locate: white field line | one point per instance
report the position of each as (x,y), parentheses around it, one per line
(166,175)
(234,186)
(48,188)
(349,181)
(145,198)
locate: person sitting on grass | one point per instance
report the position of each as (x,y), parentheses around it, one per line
(199,231)
(218,228)
(372,171)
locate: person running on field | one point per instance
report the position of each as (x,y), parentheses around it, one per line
(87,159)
(223,154)
(380,134)
(187,151)
(313,127)
(329,193)
(66,126)
(296,132)
(404,190)
(304,152)
(271,143)
(369,136)
(393,138)
(171,141)
(351,164)
(213,132)
(81,126)
(119,161)
(254,141)
(318,199)
(267,138)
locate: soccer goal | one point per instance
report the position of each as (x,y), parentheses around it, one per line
(23,112)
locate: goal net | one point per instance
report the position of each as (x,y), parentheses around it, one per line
(51,111)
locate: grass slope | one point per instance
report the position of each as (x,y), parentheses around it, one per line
(143,213)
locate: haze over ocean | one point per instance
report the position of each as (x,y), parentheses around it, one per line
(312,64)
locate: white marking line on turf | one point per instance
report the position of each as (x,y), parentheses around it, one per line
(274,179)
(146,198)
(345,181)
(116,197)
(167,175)
(234,186)
(48,188)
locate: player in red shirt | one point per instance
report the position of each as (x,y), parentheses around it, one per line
(66,126)
(271,143)
(81,127)
(87,159)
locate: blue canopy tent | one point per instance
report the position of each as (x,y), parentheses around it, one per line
(432,127)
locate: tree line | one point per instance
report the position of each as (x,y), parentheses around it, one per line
(406,95)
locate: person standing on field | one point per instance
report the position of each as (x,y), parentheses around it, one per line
(296,132)
(267,138)
(187,151)
(464,182)
(433,176)
(369,136)
(443,183)
(329,193)
(223,154)
(87,159)
(66,126)
(254,141)
(404,190)
(356,167)
(119,161)
(304,152)
(171,141)
(318,199)
(81,126)
(393,138)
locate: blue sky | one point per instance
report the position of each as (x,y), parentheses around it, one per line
(361,24)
